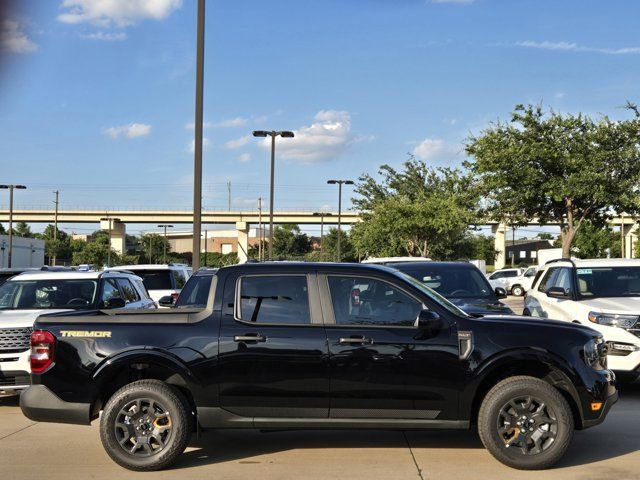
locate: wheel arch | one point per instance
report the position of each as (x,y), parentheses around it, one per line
(528,362)
(138,364)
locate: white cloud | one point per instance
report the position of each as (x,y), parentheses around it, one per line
(574,47)
(560,95)
(328,137)
(106,36)
(433,149)
(13,39)
(238,142)
(119,13)
(230,123)
(205,145)
(132,130)
(244,158)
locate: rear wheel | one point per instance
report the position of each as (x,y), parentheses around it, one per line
(517,290)
(146,425)
(525,423)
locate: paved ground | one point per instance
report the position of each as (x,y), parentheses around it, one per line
(37,450)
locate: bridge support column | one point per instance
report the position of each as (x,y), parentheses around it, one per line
(630,233)
(118,233)
(243,241)
(500,244)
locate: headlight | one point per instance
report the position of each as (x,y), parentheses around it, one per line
(613,319)
(595,354)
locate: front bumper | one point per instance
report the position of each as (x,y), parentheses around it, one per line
(14,380)
(40,404)
(608,403)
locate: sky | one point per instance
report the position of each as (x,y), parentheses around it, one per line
(97,96)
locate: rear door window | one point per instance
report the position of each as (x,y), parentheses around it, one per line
(282,299)
(128,290)
(548,279)
(109,290)
(179,279)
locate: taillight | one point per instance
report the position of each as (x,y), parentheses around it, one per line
(42,349)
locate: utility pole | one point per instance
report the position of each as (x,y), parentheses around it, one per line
(229,194)
(55,228)
(164,243)
(260,229)
(197,153)
(622,236)
(206,235)
(513,246)
(150,251)
(340,183)
(11,188)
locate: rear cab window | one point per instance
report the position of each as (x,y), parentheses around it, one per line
(195,293)
(156,279)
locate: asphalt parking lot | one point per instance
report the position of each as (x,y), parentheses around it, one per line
(30,450)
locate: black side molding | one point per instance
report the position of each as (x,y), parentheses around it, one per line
(40,404)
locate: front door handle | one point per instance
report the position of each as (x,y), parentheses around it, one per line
(355,341)
(252,337)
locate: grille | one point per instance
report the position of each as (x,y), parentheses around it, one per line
(15,340)
(14,380)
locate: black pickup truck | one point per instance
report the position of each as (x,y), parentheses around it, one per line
(302,345)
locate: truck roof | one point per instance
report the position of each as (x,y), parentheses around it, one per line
(66,275)
(596,262)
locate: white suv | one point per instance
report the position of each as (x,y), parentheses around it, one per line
(603,294)
(160,280)
(515,281)
(25,296)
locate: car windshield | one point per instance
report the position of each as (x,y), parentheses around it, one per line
(195,292)
(47,294)
(155,279)
(609,282)
(451,282)
(433,295)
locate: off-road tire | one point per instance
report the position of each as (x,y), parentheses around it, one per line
(181,418)
(500,395)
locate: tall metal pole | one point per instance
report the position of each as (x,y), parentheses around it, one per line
(229,194)
(260,229)
(55,228)
(197,167)
(339,217)
(206,235)
(109,246)
(322,237)
(513,246)
(150,251)
(164,246)
(10,226)
(273,157)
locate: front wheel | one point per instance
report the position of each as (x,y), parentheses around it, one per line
(525,423)
(146,425)
(517,290)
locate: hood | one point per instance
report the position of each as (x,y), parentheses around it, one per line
(538,323)
(613,304)
(23,318)
(481,306)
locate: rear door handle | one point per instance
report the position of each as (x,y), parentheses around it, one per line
(355,341)
(252,337)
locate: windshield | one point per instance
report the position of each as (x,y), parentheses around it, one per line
(451,282)
(433,295)
(47,294)
(155,279)
(609,282)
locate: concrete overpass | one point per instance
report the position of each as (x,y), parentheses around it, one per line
(244,219)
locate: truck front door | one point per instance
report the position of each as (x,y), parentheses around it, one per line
(274,359)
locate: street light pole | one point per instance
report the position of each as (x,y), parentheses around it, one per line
(273,134)
(55,229)
(11,188)
(322,215)
(340,183)
(164,244)
(197,151)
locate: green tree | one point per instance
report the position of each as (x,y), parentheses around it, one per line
(545,236)
(2,230)
(290,242)
(156,243)
(21,229)
(416,211)
(60,248)
(218,260)
(330,248)
(592,241)
(556,167)
(96,253)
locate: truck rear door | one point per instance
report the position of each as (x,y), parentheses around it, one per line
(274,358)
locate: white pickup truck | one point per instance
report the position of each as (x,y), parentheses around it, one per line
(515,281)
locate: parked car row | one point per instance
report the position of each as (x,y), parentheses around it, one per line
(27,293)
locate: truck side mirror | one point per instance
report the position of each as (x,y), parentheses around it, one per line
(500,292)
(115,302)
(166,301)
(557,292)
(428,321)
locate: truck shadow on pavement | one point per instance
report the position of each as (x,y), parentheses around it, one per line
(618,435)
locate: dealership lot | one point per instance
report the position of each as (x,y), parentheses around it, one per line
(29,449)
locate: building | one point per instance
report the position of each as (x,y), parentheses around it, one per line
(526,250)
(220,241)
(27,252)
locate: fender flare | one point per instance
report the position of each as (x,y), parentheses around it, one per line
(562,375)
